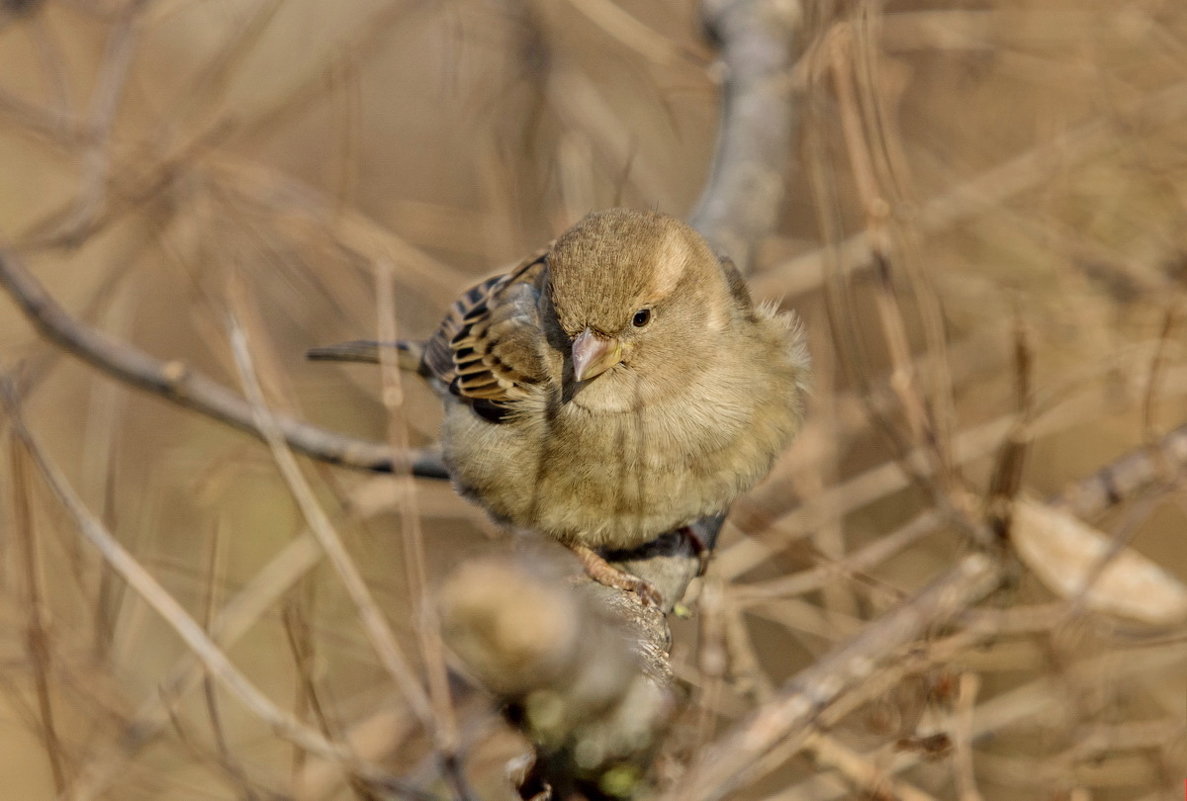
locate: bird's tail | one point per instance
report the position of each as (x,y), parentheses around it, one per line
(409,353)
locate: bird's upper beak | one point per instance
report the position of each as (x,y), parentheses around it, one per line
(594,354)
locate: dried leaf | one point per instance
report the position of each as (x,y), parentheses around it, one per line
(1066,553)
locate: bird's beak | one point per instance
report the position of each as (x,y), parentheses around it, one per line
(594,355)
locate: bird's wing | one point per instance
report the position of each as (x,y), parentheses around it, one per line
(488,348)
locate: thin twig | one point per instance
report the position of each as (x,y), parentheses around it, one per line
(427,625)
(382,639)
(724,766)
(268,585)
(161,601)
(966,704)
(981,193)
(177,382)
(628,31)
(113,76)
(36,633)
(868,779)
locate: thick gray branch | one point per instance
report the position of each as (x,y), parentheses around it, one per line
(741,201)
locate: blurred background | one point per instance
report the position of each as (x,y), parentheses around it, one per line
(1020,165)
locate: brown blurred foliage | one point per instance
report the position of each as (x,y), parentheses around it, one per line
(1017,166)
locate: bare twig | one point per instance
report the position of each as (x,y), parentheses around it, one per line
(1093,495)
(637,36)
(177,382)
(867,778)
(428,630)
(1125,477)
(724,766)
(36,632)
(235,619)
(113,76)
(970,684)
(156,596)
(378,631)
(977,195)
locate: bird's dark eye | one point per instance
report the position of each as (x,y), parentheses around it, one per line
(641,318)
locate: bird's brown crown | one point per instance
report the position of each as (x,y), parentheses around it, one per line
(614,263)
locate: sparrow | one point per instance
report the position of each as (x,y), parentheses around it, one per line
(618,385)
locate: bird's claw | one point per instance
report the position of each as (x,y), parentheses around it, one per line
(601,571)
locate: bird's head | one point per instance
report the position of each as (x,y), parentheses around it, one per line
(640,290)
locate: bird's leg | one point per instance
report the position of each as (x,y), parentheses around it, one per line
(603,572)
(699,547)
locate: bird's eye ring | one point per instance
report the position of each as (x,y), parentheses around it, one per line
(641,318)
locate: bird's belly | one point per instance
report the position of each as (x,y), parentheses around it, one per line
(618,482)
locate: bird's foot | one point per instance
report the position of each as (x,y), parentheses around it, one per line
(601,571)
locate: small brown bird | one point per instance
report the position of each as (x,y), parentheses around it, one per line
(616,387)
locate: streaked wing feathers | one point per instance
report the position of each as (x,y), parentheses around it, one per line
(487,348)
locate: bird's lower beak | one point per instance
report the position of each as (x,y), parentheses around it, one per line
(594,355)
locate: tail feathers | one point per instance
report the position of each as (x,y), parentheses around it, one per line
(409,353)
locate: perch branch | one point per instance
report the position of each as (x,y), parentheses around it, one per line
(556,661)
